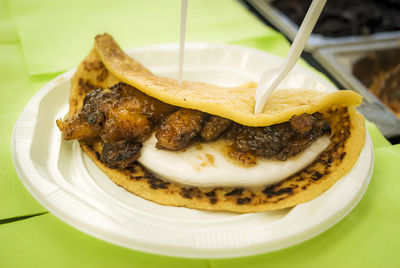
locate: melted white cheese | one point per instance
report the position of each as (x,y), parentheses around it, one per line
(208,166)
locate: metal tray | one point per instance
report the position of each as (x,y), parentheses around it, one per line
(338,61)
(315,41)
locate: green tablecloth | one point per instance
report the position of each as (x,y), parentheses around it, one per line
(40,39)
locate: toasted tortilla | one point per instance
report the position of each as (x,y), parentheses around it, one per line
(347,139)
(235,103)
(89,75)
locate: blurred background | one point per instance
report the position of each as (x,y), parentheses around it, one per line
(355,43)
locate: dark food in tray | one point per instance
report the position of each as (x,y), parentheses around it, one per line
(347,17)
(380,72)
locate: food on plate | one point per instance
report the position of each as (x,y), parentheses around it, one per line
(379,71)
(201,146)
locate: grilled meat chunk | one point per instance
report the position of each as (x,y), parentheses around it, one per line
(179,129)
(302,123)
(90,121)
(120,154)
(77,127)
(261,141)
(214,127)
(150,107)
(279,141)
(95,104)
(123,123)
(115,114)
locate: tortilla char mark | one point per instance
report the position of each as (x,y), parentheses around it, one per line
(322,167)
(93,74)
(281,195)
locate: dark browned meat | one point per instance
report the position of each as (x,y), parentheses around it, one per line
(152,108)
(90,121)
(94,106)
(123,117)
(262,141)
(279,141)
(120,154)
(302,123)
(179,129)
(77,127)
(114,114)
(214,127)
(296,145)
(123,123)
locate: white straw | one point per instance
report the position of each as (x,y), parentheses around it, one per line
(182,39)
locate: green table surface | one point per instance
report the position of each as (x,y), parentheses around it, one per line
(43,38)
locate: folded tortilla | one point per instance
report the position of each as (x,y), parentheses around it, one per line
(107,64)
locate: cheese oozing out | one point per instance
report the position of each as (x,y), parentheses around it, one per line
(207,165)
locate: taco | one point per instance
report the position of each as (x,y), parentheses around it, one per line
(144,131)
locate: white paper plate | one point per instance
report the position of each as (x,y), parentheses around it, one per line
(71,187)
